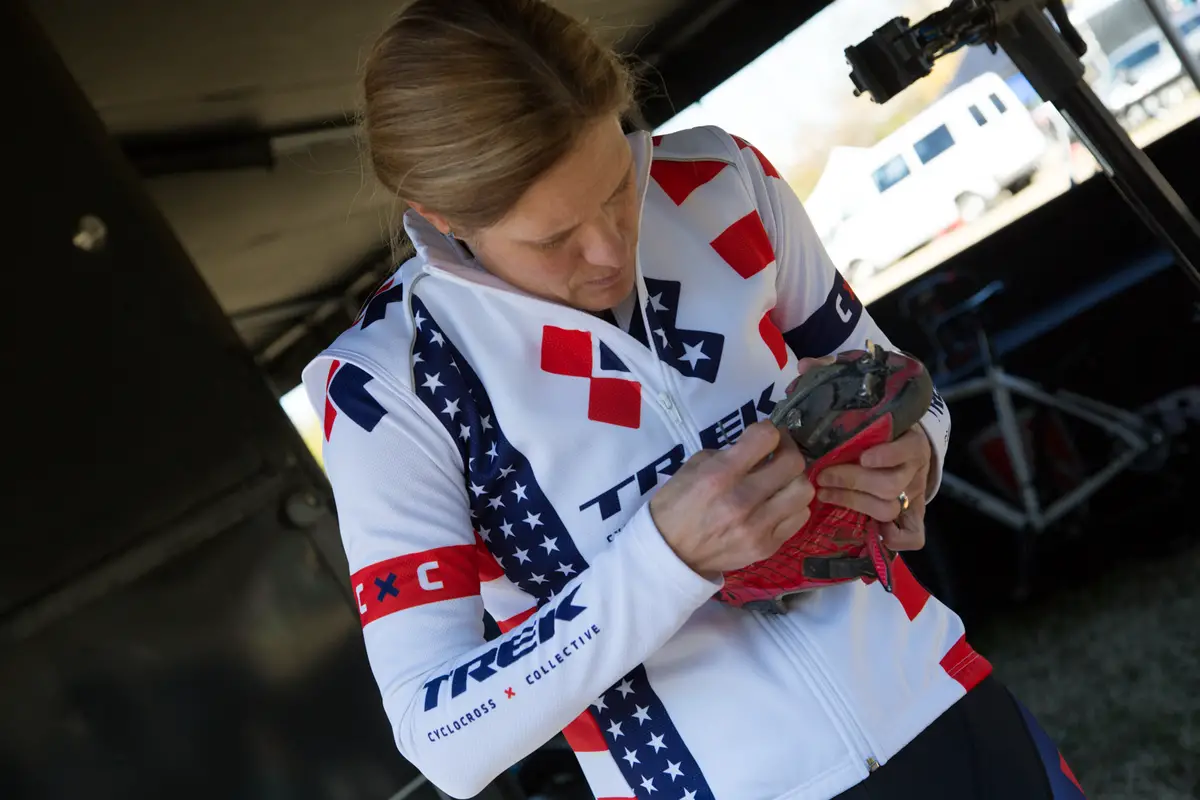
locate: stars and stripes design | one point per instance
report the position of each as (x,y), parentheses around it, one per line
(643,742)
(509,510)
(694,353)
(521,554)
(346,391)
(743,245)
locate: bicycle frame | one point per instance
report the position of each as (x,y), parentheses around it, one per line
(1002,386)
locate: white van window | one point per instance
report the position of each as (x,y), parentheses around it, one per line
(998,103)
(978,115)
(933,144)
(890,174)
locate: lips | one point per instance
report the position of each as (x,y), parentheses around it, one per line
(609,280)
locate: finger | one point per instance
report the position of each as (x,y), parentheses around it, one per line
(911,447)
(885,484)
(804,365)
(869,504)
(756,443)
(908,533)
(790,526)
(807,363)
(785,465)
(790,499)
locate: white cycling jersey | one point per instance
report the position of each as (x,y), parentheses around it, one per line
(492,451)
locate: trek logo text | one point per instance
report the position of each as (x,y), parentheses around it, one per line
(484,666)
(725,431)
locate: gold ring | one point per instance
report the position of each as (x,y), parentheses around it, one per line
(902,498)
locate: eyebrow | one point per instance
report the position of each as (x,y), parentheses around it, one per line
(565,232)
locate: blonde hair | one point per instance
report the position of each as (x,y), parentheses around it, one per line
(468,102)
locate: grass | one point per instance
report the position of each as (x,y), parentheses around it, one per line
(1112,670)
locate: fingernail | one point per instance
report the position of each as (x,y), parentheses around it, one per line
(824,495)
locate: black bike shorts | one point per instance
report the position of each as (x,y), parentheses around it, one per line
(987,746)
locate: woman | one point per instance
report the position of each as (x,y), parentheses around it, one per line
(553,413)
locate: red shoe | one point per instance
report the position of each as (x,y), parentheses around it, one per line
(834,412)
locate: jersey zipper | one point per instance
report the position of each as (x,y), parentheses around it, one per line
(844,716)
(673,410)
(680,412)
(671,413)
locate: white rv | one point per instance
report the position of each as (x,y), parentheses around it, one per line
(947,165)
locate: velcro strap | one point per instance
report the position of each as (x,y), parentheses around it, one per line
(837,568)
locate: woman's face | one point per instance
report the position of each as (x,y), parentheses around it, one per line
(572,237)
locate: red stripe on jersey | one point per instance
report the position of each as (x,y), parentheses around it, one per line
(767,166)
(908,590)
(680,178)
(584,735)
(330,411)
(744,246)
(965,665)
(506,625)
(774,339)
(489,567)
(418,579)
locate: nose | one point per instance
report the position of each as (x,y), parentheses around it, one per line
(604,243)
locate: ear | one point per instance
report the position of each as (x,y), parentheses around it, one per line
(432,217)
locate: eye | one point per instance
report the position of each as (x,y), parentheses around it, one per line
(552,244)
(621,190)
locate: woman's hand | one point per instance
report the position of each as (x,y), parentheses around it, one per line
(874,486)
(726,509)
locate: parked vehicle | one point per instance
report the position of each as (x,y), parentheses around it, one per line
(946,166)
